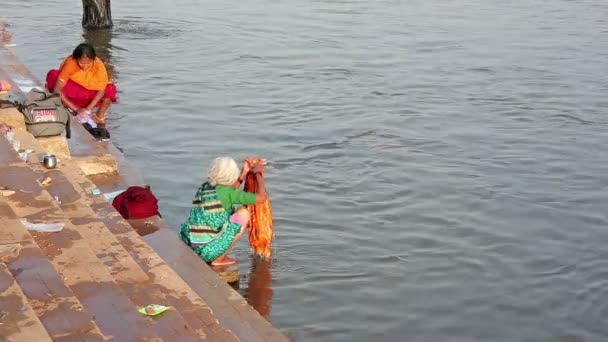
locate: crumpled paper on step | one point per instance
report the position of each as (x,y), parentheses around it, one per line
(111,195)
(43,227)
(153,309)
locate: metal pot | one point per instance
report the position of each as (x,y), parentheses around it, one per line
(49,161)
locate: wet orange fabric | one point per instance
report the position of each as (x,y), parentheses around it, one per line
(260,223)
(96,78)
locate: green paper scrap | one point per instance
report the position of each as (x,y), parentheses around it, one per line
(153,309)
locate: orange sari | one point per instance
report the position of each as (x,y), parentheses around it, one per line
(81,86)
(95,78)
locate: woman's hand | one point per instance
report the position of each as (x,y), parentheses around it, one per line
(83,111)
(246,168)
(259,168)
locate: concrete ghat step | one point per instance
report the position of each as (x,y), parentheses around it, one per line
(128,275)
(18,322)
(68,251)
(178,293)
(232,311)
(13,118)
(67,186)
(60,312)
(135,283)
(230,308)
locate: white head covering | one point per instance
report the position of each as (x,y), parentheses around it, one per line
(223,171)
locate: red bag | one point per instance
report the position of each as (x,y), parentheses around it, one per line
(136,203)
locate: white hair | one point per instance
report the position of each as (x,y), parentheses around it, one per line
(223,171)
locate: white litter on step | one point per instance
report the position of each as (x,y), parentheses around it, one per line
(110,195)
(43,227)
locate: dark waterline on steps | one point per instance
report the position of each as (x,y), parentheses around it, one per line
(439,168)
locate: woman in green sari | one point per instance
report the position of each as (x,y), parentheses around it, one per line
(215,224)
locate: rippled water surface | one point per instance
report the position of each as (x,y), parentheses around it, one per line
(439,168)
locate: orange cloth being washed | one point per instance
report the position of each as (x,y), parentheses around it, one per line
(96,78)
(260,223)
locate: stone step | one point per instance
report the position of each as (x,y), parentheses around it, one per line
(133,281)
(79,267)
(73,190)
(60,312)
(18,322)
(205,281)
(231,309)
(199,281)
(12,117)
(178,294)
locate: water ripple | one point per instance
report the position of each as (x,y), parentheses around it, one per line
(438,169)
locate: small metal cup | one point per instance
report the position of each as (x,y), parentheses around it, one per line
(49,161)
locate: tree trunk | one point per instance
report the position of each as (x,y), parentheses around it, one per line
(96,14)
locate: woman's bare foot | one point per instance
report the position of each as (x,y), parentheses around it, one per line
(98,120)
(223,261)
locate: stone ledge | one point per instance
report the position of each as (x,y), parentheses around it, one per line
(56,145)
(230,274)
(13,118)
(96,165)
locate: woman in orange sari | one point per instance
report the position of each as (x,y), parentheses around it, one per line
(83,83)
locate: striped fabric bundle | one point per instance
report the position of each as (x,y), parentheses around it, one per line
(206,198)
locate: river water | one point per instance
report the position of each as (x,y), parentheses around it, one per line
(439,168)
